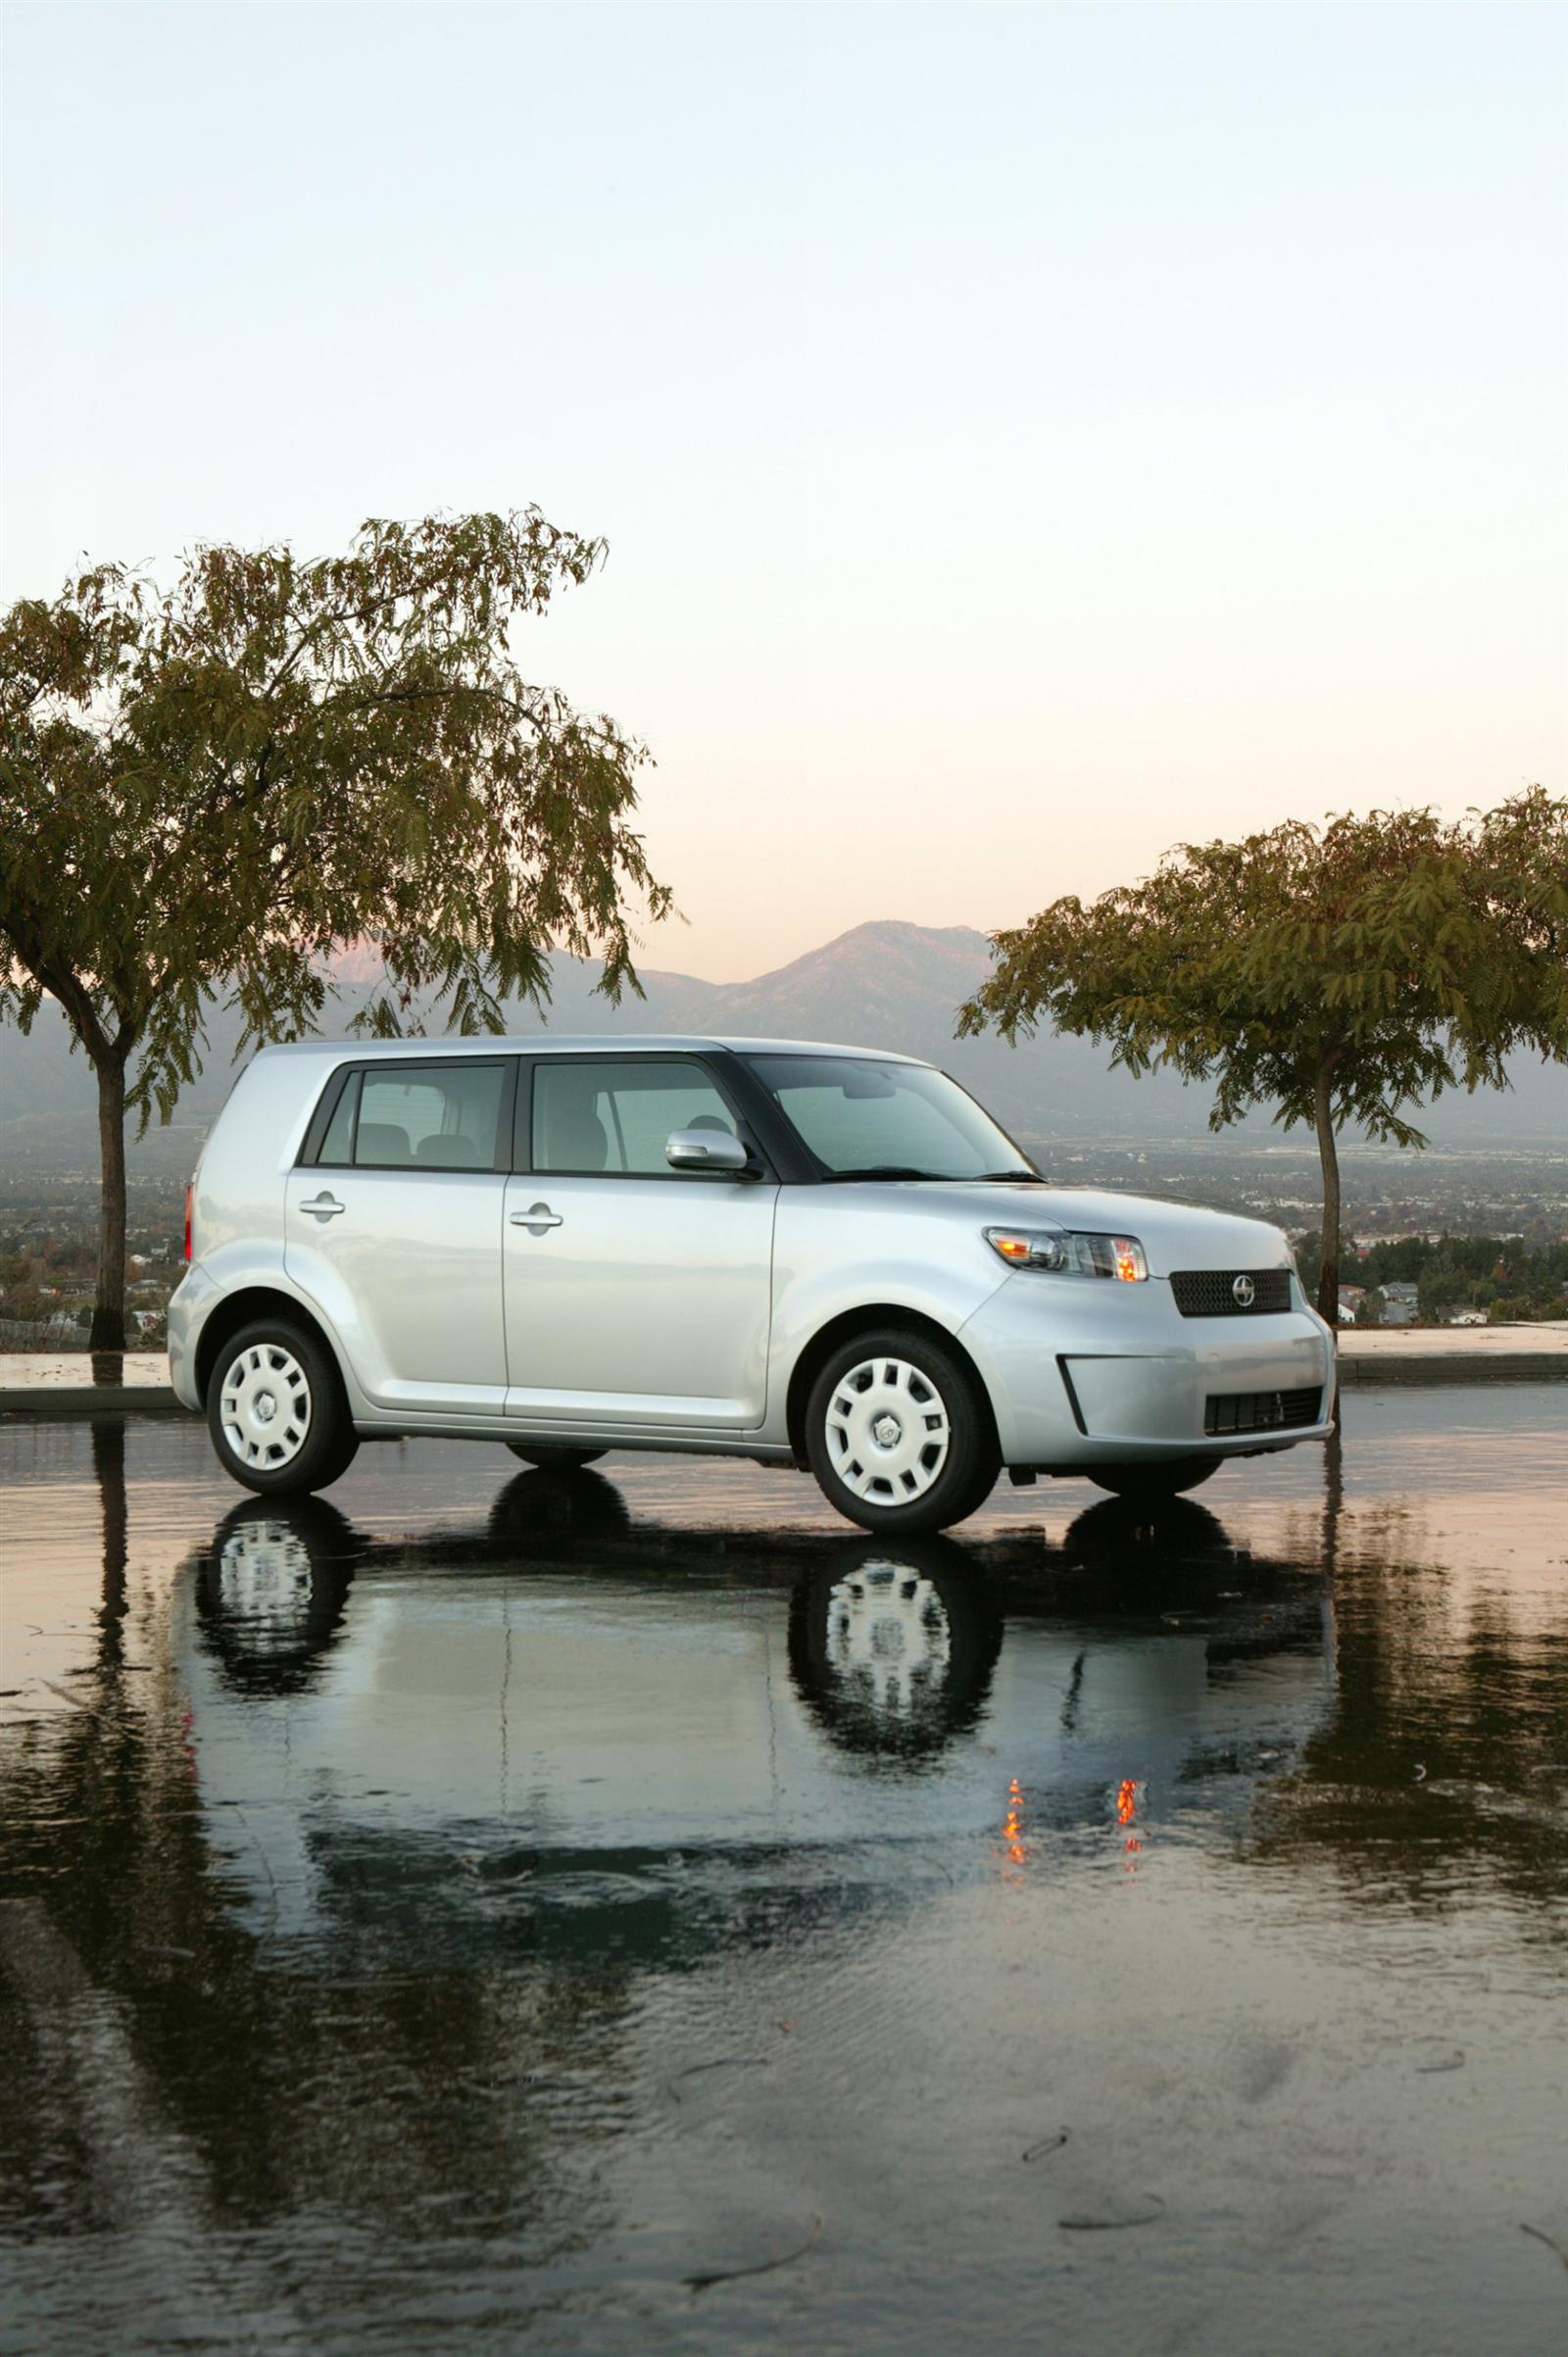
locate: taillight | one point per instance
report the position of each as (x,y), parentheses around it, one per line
(190,1200)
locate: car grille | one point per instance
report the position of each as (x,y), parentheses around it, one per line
(1211,1292)
(1261,1411)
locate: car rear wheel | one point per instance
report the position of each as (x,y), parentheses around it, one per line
(899,1435)
(277,1411)
(1146,1485)
(550,1459)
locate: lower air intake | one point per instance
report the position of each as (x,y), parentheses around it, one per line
(1261,1411)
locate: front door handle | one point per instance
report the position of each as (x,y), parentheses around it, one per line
(538,1216)
(324,1207)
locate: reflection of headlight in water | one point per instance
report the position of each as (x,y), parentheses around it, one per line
(887,1637)
(263,1583)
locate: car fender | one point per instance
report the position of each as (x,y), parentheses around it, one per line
(218,1277)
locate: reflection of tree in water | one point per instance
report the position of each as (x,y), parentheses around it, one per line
(443,2026)
(108,1467)
(893,1646)
(1444,1758)
(291,2086)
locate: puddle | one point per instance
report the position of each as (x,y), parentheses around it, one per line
(633,1911)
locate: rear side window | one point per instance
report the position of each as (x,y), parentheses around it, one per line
(339,1144)
(418,1118)
(617,1117)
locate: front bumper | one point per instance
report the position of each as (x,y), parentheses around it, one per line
(1083,1373)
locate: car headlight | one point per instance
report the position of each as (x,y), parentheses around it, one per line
(1069,1253)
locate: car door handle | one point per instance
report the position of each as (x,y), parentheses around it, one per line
(537,1217)
(324,1207)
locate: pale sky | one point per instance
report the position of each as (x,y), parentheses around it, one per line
(1025,435)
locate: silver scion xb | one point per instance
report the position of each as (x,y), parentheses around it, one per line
(808,1256)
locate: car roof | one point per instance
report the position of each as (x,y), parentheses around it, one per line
(597,1042)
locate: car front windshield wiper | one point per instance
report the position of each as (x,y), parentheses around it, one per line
(882,1171)
(943,1178)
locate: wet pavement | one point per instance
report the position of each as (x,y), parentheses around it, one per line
(636,1914)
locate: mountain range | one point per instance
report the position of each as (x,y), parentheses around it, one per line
(888,985)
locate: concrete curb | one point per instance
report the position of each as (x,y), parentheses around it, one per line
(1477,1367)
(89,1400)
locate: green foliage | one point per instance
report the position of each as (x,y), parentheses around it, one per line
(1455,1272)
(1310,1261)
(1404,955)
(1342,974)
(1399,1258)
(216,786)
(207,791)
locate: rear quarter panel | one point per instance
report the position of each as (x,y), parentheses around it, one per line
(240,1186)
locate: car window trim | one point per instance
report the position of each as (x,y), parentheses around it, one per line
(712,1068)
(327,1103)
(321,1121)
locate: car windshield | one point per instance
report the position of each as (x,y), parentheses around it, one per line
(864,1119)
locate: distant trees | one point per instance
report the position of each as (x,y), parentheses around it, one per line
(1504,1277)
(1342,974)
(209,789)
(1309,1259)
(1515,1276)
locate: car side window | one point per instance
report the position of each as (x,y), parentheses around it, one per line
(337,1146)
(427,1118)
(617,1117)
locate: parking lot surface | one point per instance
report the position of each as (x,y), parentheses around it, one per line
(635,1913)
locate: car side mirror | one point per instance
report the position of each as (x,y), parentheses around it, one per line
(706,1150)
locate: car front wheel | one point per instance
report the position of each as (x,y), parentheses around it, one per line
(277,1411)
(899,1435)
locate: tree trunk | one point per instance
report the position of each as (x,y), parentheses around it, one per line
(109,1308)
(1328,1283)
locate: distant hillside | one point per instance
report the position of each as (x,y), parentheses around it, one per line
(889,985)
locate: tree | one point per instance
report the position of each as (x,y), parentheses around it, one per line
(1342,974)
(206,791)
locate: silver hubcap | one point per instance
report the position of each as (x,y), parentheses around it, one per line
(265,1405)
(887,1431)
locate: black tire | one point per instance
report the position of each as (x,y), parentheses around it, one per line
(896,1503)
(306,1439)
(551,1460)
(1147,1485)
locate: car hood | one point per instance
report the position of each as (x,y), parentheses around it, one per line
(1173,1235)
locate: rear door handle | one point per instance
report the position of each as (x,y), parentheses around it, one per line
(537,1217)
(324,1207)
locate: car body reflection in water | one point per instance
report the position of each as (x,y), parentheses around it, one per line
(633,1740)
